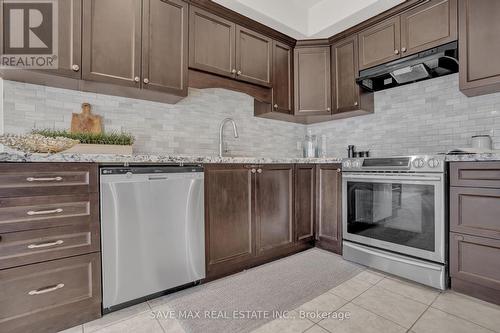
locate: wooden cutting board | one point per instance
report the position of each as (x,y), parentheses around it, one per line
(86,122)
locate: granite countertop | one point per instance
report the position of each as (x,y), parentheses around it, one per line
(14,156)
(156,158)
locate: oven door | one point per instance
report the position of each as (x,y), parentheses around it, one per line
(403,213)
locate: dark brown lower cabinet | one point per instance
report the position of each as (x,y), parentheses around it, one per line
(249,216)
(475,229)
(305,175)
(329,207)
(50,296)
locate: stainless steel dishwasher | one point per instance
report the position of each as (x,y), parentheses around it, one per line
(152,230)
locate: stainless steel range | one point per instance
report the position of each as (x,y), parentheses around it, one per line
(394,216)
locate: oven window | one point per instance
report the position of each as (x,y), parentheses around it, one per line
(397,213)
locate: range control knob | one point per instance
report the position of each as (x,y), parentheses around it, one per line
(418,163)
(356,164)
(433,163)
(347,164)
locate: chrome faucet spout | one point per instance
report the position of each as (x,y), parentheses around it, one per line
(221,133)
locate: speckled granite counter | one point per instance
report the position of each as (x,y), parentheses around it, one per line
(177,159)
(156,158)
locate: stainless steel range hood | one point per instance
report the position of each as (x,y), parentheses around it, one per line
(439,61)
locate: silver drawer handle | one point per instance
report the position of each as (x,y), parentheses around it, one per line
(43,212)
(48,244)
(51,179)
(46,290)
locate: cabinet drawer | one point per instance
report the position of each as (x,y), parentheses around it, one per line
(44,212)
(28,247)
(33,179)
(475,211)
(475,259)
(475,174)
(50,296)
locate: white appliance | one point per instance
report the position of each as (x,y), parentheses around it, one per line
(152,229)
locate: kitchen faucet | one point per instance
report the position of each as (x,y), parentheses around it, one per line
(221,133)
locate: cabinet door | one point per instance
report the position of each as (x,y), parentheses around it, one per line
(380,43)
(478,46)
(304,202)
(429,25)
(282,78)
(312,81)
(274,207)
(328,207)
(211,43)
(165,46)
(344,72)
(253,57)
(112,41)
(229,215)
(474,266)
(69,39)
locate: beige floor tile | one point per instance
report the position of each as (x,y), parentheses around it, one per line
(469,308)
(368,276)
(316,329)
(76,329)
(115,317)
(436,321)
(360,321)
(414,291)
(351,288)
(288,325)
(143,323)
(170,325)
(318,308)
(397,308)
(159,301)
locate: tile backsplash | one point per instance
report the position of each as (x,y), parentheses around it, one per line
(189,127)
(426,117)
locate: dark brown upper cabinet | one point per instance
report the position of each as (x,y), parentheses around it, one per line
(69,39)
(282,78)
(211,43)
(380,44)
(221,47)
(328,207)
(305,175)
(165,46)
(253,57)
(345,69)
(429,25)
(112,42)
(274,207)
(425,26)
(478,46)
(312,81)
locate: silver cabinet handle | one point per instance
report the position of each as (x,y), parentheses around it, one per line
(459,238)
(396,51)
(328,109)
(75,68)
(137,79)
(46,290)
(275,106)
(259,170)
(233,71)
(339,170)
(356,103)
(146,81)
(253,171)
(44,212)
(48,244)
(238,73)
(403,49)
(51,179)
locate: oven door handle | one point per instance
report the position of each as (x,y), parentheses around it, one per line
(382,177)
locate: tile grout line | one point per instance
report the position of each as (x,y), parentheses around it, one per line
(465,319)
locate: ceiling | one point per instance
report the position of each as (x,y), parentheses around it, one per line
(308,19)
